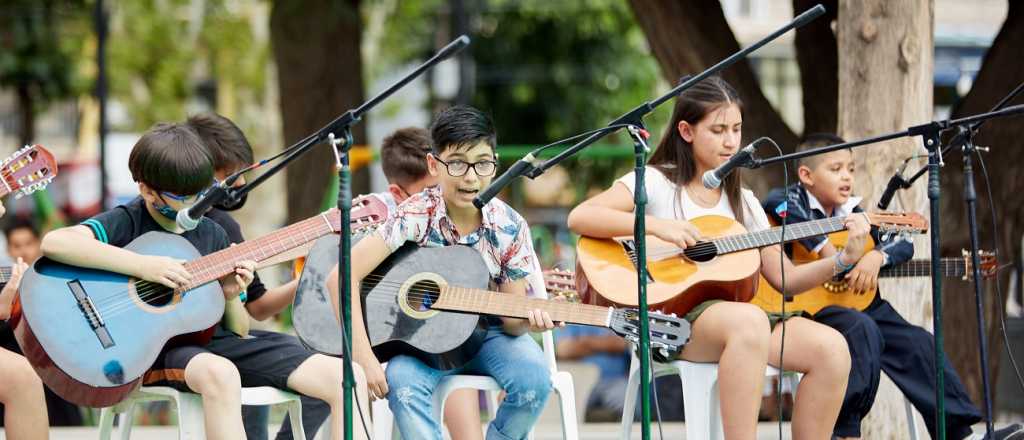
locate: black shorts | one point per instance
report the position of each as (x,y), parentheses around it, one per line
(263,359)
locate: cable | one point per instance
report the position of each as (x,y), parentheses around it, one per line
(654,387)
(782,272)
(995,252)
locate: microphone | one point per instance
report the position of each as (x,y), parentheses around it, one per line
(896,182)
(514,171)
(713,178)
(188,219)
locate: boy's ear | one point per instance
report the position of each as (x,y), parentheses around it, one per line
(146,192)
(396,192)
(804,173)
(432,165)
(685,131)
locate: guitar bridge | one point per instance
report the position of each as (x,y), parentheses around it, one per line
(91,314)
(630,247)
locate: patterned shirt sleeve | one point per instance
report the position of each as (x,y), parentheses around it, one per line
(410,221)
(517,258)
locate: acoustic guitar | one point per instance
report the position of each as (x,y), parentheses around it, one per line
(725,266)
(26,171)
(837,292)
(426,302)
(92,334)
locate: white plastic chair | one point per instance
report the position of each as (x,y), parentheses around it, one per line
(191,425)
(700,397)
(561,381)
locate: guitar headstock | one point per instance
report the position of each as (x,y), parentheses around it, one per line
(27,170)
(561,283)
(906,223)
(669,333)
(987,263)
(367,211)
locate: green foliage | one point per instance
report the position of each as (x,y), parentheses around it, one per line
(38,43)
(545,69)
(160,52)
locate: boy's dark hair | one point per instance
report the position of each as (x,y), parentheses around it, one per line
(462,126)
(228,145)
(171,157)
(20,223)
(403,155)
(816,140)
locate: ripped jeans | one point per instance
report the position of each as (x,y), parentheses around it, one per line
(516,363)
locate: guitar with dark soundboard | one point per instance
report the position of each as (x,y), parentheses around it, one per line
(427,302)
(92,334)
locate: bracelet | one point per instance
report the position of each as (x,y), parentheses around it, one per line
(839,267)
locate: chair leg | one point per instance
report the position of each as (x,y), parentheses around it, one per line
(700,394)
(106,424)
(629,405)
(567,403)
(191,422)
(383,420)
(911,423)
(295,417)
(127,420)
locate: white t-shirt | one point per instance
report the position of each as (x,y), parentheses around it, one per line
(662,194)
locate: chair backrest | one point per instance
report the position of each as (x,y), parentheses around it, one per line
(539,290)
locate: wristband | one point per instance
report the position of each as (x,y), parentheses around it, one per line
(839,267)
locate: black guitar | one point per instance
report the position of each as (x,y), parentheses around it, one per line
(427,302)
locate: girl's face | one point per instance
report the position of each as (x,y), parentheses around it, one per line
(715,138)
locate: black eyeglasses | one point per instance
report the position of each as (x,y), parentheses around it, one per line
(459,168)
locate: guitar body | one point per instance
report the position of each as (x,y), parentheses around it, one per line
(831,293)
(607,275)
(398,322)
(312,310)
(98,362)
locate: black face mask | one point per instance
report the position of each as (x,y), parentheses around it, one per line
(224,206)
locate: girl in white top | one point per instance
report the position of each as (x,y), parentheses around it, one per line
(704,133)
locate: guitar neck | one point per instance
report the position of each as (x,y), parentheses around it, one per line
(949,267)
(767,237)
(459,299)
(218,264)
(5,274)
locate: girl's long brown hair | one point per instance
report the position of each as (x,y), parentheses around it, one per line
(674,156)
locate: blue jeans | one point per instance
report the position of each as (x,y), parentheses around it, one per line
(516,363)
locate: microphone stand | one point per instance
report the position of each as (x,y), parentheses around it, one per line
(930,134)
(338,134)
(634,120)
(965,140)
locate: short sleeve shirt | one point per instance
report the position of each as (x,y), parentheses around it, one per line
(664,200)
(502,239)
(121,225)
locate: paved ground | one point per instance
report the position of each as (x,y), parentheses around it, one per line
(589,431)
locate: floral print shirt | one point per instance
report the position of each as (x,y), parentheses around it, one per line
(503,238)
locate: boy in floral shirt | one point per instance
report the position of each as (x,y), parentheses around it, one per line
(464,160)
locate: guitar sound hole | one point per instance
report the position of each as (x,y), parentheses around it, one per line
(422,295)
(156,295)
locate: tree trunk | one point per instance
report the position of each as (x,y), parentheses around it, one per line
(818,58)
(319,69)
(1000,73)
(885,85)
(26,109)
(688,37)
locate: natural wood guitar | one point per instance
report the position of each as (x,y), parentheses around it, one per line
(838,293)
(725,266)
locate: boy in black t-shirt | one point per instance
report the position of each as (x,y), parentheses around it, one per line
(172,168)
(231,152)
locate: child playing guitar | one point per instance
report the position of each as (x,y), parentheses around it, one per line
(879,338)
(705,130)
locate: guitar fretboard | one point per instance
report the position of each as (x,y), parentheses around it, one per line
(949,267)
(218,264)
(5,274)
(460,299)
(767,237)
